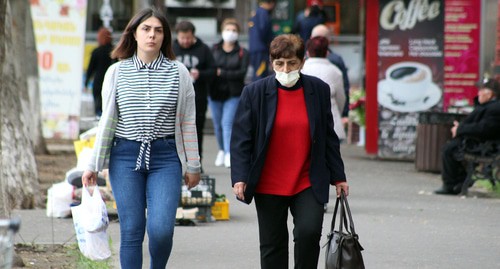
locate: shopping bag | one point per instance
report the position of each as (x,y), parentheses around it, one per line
(97,215)
(90,227)
(343,250)
(59,199)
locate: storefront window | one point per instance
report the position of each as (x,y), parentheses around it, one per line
(122,12)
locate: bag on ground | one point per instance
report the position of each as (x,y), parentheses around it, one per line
(343,250)
(59,199)
(91,221)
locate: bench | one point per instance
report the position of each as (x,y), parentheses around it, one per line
(482,161)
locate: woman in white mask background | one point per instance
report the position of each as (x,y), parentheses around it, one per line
(285,154)
(232,62)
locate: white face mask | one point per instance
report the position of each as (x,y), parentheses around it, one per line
(229,36)
(288,79)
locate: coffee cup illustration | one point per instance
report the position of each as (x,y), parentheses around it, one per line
(408,81)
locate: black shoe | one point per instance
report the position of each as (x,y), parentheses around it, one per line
(447,191)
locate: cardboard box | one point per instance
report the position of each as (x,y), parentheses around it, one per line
(220,210)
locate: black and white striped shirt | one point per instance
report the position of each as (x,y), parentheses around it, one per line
(146,97)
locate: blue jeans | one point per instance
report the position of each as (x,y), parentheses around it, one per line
(157,189)
(222,117)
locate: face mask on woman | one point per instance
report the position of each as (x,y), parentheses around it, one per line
(229,36)
(287,79)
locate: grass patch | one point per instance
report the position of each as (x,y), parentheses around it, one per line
(494,190)
(83,262)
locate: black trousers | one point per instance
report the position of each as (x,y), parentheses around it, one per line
(201,103)
(453,172)
(272,214)
(96,93)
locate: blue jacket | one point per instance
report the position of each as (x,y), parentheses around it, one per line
(252,125)
(260,32)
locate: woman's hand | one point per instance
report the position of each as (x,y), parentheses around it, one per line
(191,179)
(342,185)
(239,190)
(89,178)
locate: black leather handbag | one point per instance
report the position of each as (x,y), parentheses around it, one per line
(343,250)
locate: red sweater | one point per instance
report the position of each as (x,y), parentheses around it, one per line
(286,169)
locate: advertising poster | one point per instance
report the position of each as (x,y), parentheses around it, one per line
(462,54)
(411,71)
(59,27)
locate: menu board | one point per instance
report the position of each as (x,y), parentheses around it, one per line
(462,53)
(411,53)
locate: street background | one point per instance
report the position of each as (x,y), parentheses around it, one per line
(400,222)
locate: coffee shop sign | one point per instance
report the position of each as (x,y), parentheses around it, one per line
(395,14)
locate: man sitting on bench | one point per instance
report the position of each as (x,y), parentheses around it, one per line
(482,124)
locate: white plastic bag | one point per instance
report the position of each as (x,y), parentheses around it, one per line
(90,226)
(96,219)
(59,199)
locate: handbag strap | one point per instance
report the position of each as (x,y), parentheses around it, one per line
(348,210)
(344,208)
(343,219)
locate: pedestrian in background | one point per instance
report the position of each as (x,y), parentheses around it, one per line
(285,154)
(308,19)
(319,66)
(231,61)
(260,34)
(337,60)
(100,60)
(482,123)
(147,133)
(197,57)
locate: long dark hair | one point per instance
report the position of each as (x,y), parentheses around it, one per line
(127,45)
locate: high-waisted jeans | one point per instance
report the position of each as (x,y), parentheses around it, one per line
(157,189)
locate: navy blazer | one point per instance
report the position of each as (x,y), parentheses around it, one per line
(252,126)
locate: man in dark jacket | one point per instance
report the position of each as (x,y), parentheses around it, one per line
(198,59)
(482,124)
(100,60)
(260,35)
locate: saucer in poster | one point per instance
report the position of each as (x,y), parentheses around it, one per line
(431,98)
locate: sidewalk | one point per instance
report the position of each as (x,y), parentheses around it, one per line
(400,222)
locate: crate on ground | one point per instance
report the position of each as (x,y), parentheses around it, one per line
(220,210)
(201,195)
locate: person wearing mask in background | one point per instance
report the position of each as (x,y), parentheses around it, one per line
(285,154)
(336,59)
(307,20)
(197,57)
(231,61)
(319,66)
(260,34)
(100,60)
(147,134)
(482,123)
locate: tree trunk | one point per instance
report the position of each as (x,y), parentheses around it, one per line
(3,11)
(19,11)
(19,174)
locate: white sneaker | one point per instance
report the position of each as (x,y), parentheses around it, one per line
(219,160)
(227,160)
